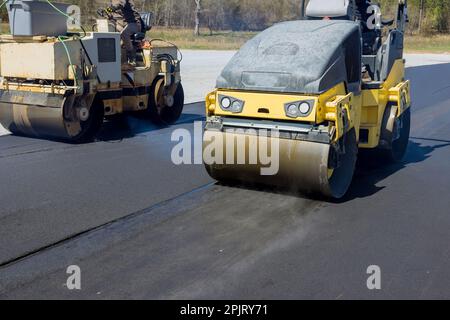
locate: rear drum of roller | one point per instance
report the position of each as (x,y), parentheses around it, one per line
(48,116)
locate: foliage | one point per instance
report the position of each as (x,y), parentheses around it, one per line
(254,15)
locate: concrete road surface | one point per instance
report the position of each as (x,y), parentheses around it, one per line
(140,227)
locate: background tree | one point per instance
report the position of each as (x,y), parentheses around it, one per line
(198,9)
(255,15)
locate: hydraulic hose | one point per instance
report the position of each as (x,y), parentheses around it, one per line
(165,41)
(62,39)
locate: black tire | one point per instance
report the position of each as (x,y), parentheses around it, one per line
(92,125)
(165,115)
(400,145)
(394,146)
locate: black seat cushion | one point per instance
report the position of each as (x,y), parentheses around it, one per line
(140,36)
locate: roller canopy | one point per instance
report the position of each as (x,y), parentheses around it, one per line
(308,56)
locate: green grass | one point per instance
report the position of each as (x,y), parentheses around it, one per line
(228,40)
(185,38)
(218,40)
(428,44)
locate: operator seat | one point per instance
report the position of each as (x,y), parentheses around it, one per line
(146,25)
(378,57)
(332,9)
(138,38)
(145,21)
(355,10)
(371,33)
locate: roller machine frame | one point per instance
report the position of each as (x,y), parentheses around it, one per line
(64,87)
(328,97)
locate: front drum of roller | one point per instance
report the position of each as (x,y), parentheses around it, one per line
(301,165)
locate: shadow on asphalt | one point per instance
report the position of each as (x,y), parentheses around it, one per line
(370,172)
(127,127)
(119,128)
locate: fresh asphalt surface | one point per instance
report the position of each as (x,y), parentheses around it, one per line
(140,227)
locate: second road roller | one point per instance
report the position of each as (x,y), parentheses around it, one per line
(62,85)
(329,85)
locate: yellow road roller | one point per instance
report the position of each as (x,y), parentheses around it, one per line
(328,85)
(64,86)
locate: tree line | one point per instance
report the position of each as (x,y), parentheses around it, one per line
(426,16)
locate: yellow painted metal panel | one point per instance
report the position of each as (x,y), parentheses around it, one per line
(46,60)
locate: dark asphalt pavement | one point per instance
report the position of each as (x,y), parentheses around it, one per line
(52,191)
(140,227)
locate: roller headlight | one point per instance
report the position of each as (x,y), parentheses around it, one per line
(304,108)
(225,102)
(299,109)
(292,110)
(236,106)
(231,104)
